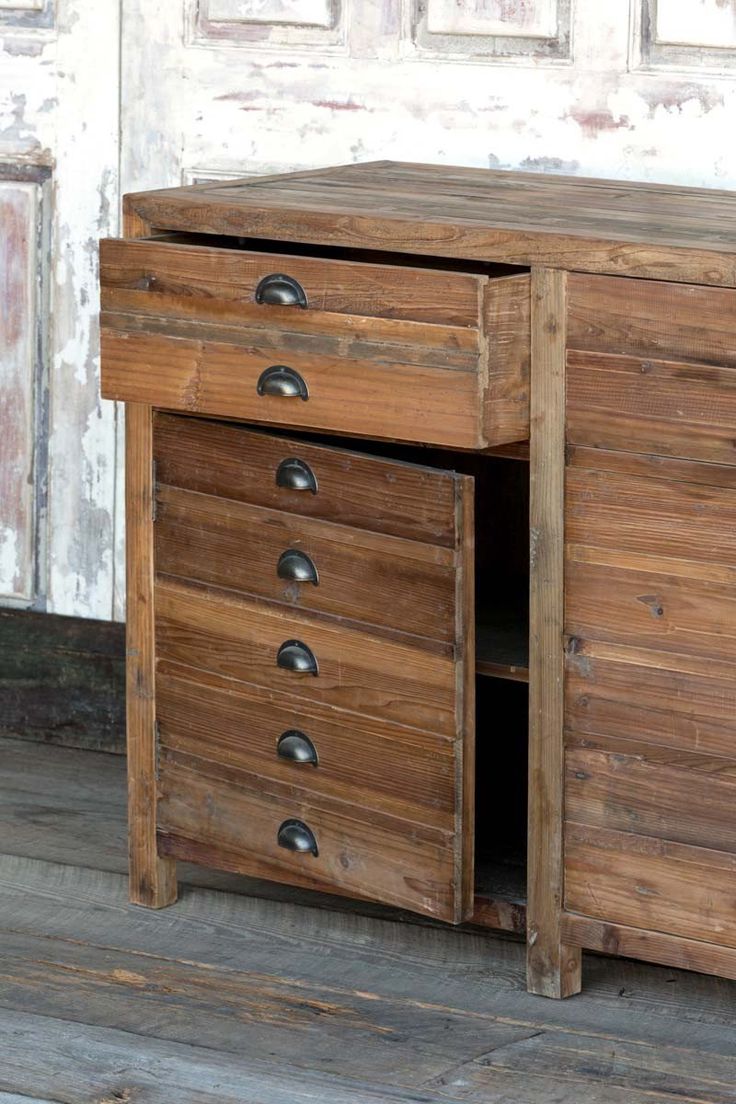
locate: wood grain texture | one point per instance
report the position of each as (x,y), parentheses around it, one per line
(152,878)
(553,966)
(516,218)
(357,671)
(230,819)
(662,321)
(365,492)
(212,283)
(665,698)
(635,787)
(391,768)
(62,680)
(507,334)
(650,883)
(404,585)
(650,946)
(363,397)
(644,404)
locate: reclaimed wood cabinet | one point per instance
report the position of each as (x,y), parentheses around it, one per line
(431,505)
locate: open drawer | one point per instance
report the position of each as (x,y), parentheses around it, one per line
(326,743)
(392,350)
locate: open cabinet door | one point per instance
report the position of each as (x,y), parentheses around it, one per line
(315,665)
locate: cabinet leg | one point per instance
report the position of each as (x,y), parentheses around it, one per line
(553,969)
(152,878)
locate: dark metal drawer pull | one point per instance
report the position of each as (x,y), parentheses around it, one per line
(282,381)
(295,835)
(295,656)
(297,748)
(297,567)
(281,291)
(296,475)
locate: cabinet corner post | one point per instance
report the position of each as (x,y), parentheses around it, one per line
(152,878)
(553,968)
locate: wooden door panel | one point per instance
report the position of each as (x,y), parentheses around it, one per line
(650,610)
(383,717)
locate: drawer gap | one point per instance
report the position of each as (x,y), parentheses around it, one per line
(339,253)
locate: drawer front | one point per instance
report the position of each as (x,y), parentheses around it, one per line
(315,481)
(210,284)
(374,764)
(375,350)
(358,671)
(245,823)
(262,381)
(386,709)
(305,563)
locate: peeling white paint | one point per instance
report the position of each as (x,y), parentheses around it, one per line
(248,86)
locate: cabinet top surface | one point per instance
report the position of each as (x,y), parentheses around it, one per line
(635,229)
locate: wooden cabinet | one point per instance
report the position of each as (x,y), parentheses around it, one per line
(401,439)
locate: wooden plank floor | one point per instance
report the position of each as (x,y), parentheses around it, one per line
(231,999)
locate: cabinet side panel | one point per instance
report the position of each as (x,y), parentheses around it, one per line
(650,608)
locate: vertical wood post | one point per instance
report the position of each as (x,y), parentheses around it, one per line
(152,878)
(553,968)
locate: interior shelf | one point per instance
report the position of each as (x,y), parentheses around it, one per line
(502,644)
(500,893)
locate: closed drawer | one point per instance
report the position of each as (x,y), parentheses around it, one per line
(376,350)
(374,764)
(305,563)
(240,821)
(314,481)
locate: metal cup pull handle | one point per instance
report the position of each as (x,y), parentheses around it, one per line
(296,475)
(297,567)
(293,655)
(295,835)
(282,382)
(297,748)
(281,291)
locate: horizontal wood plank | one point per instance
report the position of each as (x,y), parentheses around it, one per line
(662,321)
(236,820)
(373,764)
(192,279)
(669,794)
(366,492)
(648,405)
(650,946)
(663,698)
(352,396)
(643,882)
(651,610)
(210,630)
(404,585)
(632,514)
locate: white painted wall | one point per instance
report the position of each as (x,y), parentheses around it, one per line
(636,89)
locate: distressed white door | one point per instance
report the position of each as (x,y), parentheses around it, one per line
(642,89)
(58,191)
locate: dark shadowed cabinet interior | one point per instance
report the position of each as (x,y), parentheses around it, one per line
(431,513)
